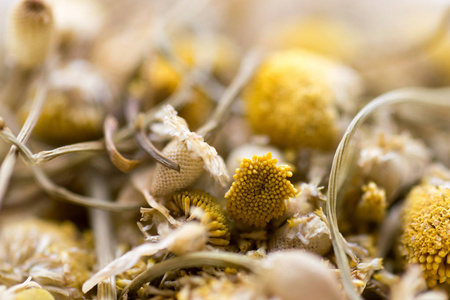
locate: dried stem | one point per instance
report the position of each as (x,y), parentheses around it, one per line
(8,163)
(197,259)
(248,67)
(103,232)
(63,194)
(411,95)
(123,164)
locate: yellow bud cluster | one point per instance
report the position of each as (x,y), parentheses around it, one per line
(426,239)
(214,217)
(290,101)
(373,204)
(257,195)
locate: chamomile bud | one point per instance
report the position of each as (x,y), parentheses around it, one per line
(294,99)
(296,274)
(30,32)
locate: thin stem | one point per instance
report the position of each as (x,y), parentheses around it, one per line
(197,259)
(103,232)
(8,163)
(411,95)
(65,195)
(248,67)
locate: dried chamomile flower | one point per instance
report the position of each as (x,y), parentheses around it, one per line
(75,107)
(320,34)
(393,162)
(27,290)
(190,237)
(306,232)
(213,217)
(294,274)
(215,52)
(293,100)
(192,154)
(425,239)
(373,204)
(257,195)
(30,32)
(53,254)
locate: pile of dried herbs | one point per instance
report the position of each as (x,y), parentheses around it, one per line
(224,150)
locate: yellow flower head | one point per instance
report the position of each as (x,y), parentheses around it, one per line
(214,217)
(257,195)
(426,239)
(291,101)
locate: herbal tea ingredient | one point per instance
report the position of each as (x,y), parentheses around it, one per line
(111,112)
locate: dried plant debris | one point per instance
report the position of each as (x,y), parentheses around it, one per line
(55,255)
(122,123)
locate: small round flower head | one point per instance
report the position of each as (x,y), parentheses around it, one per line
(30,32)
(290,101)
(75,107)
(213,216)
(426,224)
(259,190)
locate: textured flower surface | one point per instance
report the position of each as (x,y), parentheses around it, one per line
(426,232)
(290,101)
(257,195)
(214,217)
